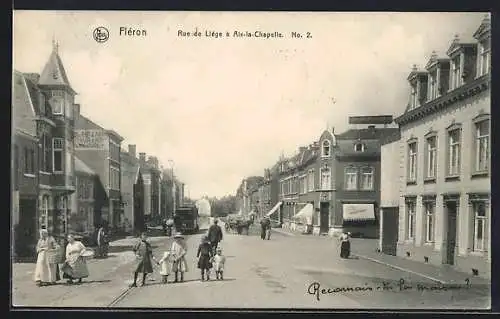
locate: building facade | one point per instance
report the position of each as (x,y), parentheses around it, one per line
(132,189)
(444,209)
(81,219)
(99,149)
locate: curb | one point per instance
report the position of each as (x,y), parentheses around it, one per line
(401,268)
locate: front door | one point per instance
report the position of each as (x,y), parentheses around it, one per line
(390,227)
(324,217)
(451,234)
(26,233)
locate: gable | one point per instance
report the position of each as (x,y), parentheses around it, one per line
(23,111)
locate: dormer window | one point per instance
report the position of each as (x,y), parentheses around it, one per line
(359,147)
(484,57)
(433,92)
(456,72)
(326,149)
(413,96)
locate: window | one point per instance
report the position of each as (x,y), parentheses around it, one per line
(367,178)
(455,78)
(430,171)
(433,89)
(484,58)
(429,208)
(45,154)
(303,185)
(480,226)
(482,150)
(57,105)
(310,181)
(326,182)
(29,161)
(454,152)
(282,188)
(412,161)
(114,178)
(359,147)
(351,178)
(410,220)
(57,154)
(413,97)
(326,149)
(114,152)
(16,162)
(44,213)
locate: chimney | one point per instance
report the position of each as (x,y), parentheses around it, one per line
(132,150)
(142,157)
(33,77)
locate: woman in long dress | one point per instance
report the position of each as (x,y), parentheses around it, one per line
(75,267)
(46,273)
(144,255)
(179,251)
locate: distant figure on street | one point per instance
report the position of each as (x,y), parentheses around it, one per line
(219,261)
(102,242)
(214,235)
(47,269)
(166,263)
(204,255)
(345,245)
(179,251)
(75,267)
(144,256)
(265,228)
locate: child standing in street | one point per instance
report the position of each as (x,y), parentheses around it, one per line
(166,263)
(218,263)
(204,258)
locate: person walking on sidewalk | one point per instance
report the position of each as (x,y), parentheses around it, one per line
(75,266)
(46,269)
(102,242)
(204,256)
(179,250)
(214,235)
(144,256)
(345,245)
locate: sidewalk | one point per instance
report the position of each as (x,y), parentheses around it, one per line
(367,249)
(104,273)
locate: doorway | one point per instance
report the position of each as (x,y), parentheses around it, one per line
(390,228)
(324,217)
(26,232)
(451,208)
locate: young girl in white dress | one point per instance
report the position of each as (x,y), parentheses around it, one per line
(166,263)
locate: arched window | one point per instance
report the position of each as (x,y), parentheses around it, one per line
(325,150)
(359,147)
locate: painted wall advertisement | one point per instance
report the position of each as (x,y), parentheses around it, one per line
(90,139)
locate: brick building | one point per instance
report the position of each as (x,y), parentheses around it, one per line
(99,149)
(445,202)
(43,109)
(151,175)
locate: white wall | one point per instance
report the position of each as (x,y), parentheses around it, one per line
(390,171)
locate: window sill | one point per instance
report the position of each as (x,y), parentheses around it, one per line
(351,189)
(45,173)
(29,175)
(480,253)
(58,172)
(430,180)
(452,178)
(480,174)
(411,182)
(367,189)
(429,243)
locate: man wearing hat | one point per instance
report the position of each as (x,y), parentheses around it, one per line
(214,235)
(179,250)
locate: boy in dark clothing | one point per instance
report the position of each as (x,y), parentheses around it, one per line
(214,235)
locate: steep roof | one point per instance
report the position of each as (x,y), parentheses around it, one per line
(366,133)
(54,73)
(23,109)
(81,167)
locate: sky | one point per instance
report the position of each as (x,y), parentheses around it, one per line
(226,108)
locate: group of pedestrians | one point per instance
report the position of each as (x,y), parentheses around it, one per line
(174,260)
(52,259)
